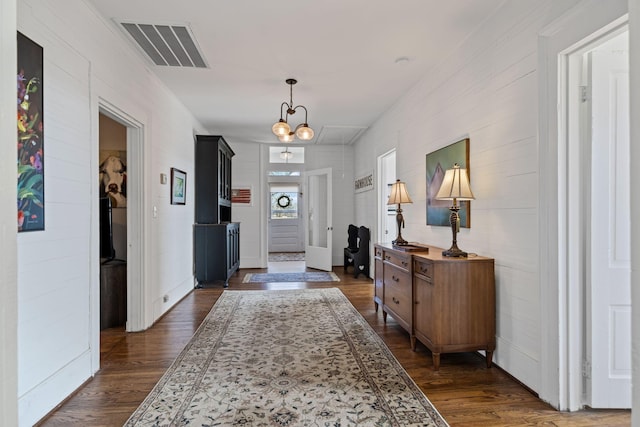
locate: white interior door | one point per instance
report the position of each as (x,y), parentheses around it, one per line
(609,292)
(387,176)
(285,223)
(319,228)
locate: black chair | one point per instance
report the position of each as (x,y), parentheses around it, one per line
(357,252)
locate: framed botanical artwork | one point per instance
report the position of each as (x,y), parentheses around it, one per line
(178,187)
(437,164)
(30,136)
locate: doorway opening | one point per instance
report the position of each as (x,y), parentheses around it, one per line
(386,215)
(112,193)
(123,136)
(286,228)
(285,203)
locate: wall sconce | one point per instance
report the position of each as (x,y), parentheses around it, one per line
(399,195)
(455,186)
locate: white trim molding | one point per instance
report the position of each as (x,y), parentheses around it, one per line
(8,224)
(634,64)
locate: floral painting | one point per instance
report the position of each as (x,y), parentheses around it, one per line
(30,136)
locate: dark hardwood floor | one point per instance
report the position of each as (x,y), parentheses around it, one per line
(464,391)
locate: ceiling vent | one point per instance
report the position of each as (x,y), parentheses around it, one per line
(166,45)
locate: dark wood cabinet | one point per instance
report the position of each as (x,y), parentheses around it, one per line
(216,239)
(217,249)
(113,294)
(446,303)
(213,180)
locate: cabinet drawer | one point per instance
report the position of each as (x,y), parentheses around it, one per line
(397,292)
(423,267)
(378,252)
(401,261)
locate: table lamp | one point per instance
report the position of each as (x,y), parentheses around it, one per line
(455,186)
(399,195)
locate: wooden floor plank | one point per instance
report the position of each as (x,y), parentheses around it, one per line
(464,391)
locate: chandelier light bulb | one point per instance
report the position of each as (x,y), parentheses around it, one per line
(281,128)
(304,132)
(289,137)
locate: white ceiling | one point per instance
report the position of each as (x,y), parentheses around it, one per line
(344,54)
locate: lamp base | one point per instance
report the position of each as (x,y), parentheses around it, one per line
(400,220)
(454,220)
(399,242)
(455,252)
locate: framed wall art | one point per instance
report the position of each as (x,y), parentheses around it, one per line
(241,196)
(437,164)
(30,136)
(178,187)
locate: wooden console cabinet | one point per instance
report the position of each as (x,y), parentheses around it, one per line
(448,304)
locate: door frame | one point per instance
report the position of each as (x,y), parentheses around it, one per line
(560,303)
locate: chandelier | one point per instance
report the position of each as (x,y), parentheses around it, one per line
(286,154)
(282,129)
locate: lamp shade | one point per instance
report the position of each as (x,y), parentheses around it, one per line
(289,137)
(304,132)
(281,128)
(399,194)
(455,185)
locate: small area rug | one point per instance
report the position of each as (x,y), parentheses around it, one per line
(286,256)
(306,276)
(285,358)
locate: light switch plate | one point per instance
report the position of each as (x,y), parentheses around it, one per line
(163,178)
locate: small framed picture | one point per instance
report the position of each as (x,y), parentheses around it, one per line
(178,187)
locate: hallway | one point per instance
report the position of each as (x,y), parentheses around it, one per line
(464,391)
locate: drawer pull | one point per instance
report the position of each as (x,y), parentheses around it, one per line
(405,263)
(395,300)
(387,257)
(395,279)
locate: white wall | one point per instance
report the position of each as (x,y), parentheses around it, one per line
(87,64)
(485,90)
(634,54)
(8,222)
(340,159)
(246,172)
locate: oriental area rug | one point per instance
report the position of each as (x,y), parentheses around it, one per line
(306,276)
(285,358)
